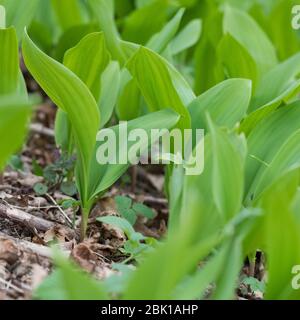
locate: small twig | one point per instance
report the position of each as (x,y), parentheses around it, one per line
(40,129)
(149,199)
(25,218)
(60,210)
(6,186)
(10,285)
(34,248)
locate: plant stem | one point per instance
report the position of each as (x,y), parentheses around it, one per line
(84,221)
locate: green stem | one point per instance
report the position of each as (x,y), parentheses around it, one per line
(84,222)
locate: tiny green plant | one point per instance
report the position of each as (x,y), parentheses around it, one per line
(130,210)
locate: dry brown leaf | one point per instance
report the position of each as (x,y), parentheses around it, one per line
(84,257)
(9,252)
(57,233)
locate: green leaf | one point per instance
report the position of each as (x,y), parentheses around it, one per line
(14,115)
(252,120)
(143,210)
(157,273)
(120,223)
(160,40)
(227,180)
(104,15)
(40,189)
(70,38)
(88,59)
(187,37)
(160,86)
(103,176)
(226,103)
(194,287)
(123,202)
(265,144)
(275,82)
(129,215)
(141,24)
(110,85)
(9,61)
(2,17)
(248,33)
(286,40)
(68,282)
(282,241)
(129,91)
(254,284)
(234,61)
(68,188)
(67,12)
(70,94)
(227,281)
(19,13)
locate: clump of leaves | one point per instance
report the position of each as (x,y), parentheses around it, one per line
(137,245)
(130,210)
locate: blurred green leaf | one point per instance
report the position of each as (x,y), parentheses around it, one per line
(70,283)
(226,103)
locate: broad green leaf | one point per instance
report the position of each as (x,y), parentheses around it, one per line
(129,102)
(14,115)
(63,132)
(19,13)
(70,94)
(88,59)
(68,13)
(227,180)
(282,240)
(205,53)
(143,210)
(9,61)
(227,280)
(187,37)
(158,274)
(234,61)
(110,85)
(202,217)
(266,140)
(103,13)
(194,287)
(68,282)
(160,40)
(143,23)
(287,158)
(226,103)
(275,82)
(2,17)
(103,176)
(159,84)
(247,32)
(120,223)
(71,37)
(251,121)
(123,202)
(286,40)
